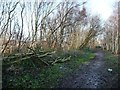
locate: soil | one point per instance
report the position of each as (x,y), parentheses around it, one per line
(93,74)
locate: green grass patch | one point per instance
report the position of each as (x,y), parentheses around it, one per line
(112,61)
(47,77)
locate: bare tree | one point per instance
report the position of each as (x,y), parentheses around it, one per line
(21,33)
(111,33)
(93,30)
(7,25)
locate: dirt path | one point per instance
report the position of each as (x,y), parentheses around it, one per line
(94,74)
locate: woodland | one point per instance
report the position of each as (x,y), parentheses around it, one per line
(42,43)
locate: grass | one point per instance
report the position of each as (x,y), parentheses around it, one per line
(47,77)
(113,63)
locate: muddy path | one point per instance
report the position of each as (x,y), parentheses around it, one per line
(93,74)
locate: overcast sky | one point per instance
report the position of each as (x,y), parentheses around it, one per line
(102,7)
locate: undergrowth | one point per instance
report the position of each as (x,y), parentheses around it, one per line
(26,75)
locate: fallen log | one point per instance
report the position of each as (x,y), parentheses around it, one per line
(28,57)
(18,56)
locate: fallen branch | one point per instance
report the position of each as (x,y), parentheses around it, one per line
(41,56)
(18,56)
(28,57)
(40,51)
(61,60)
(55,62)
